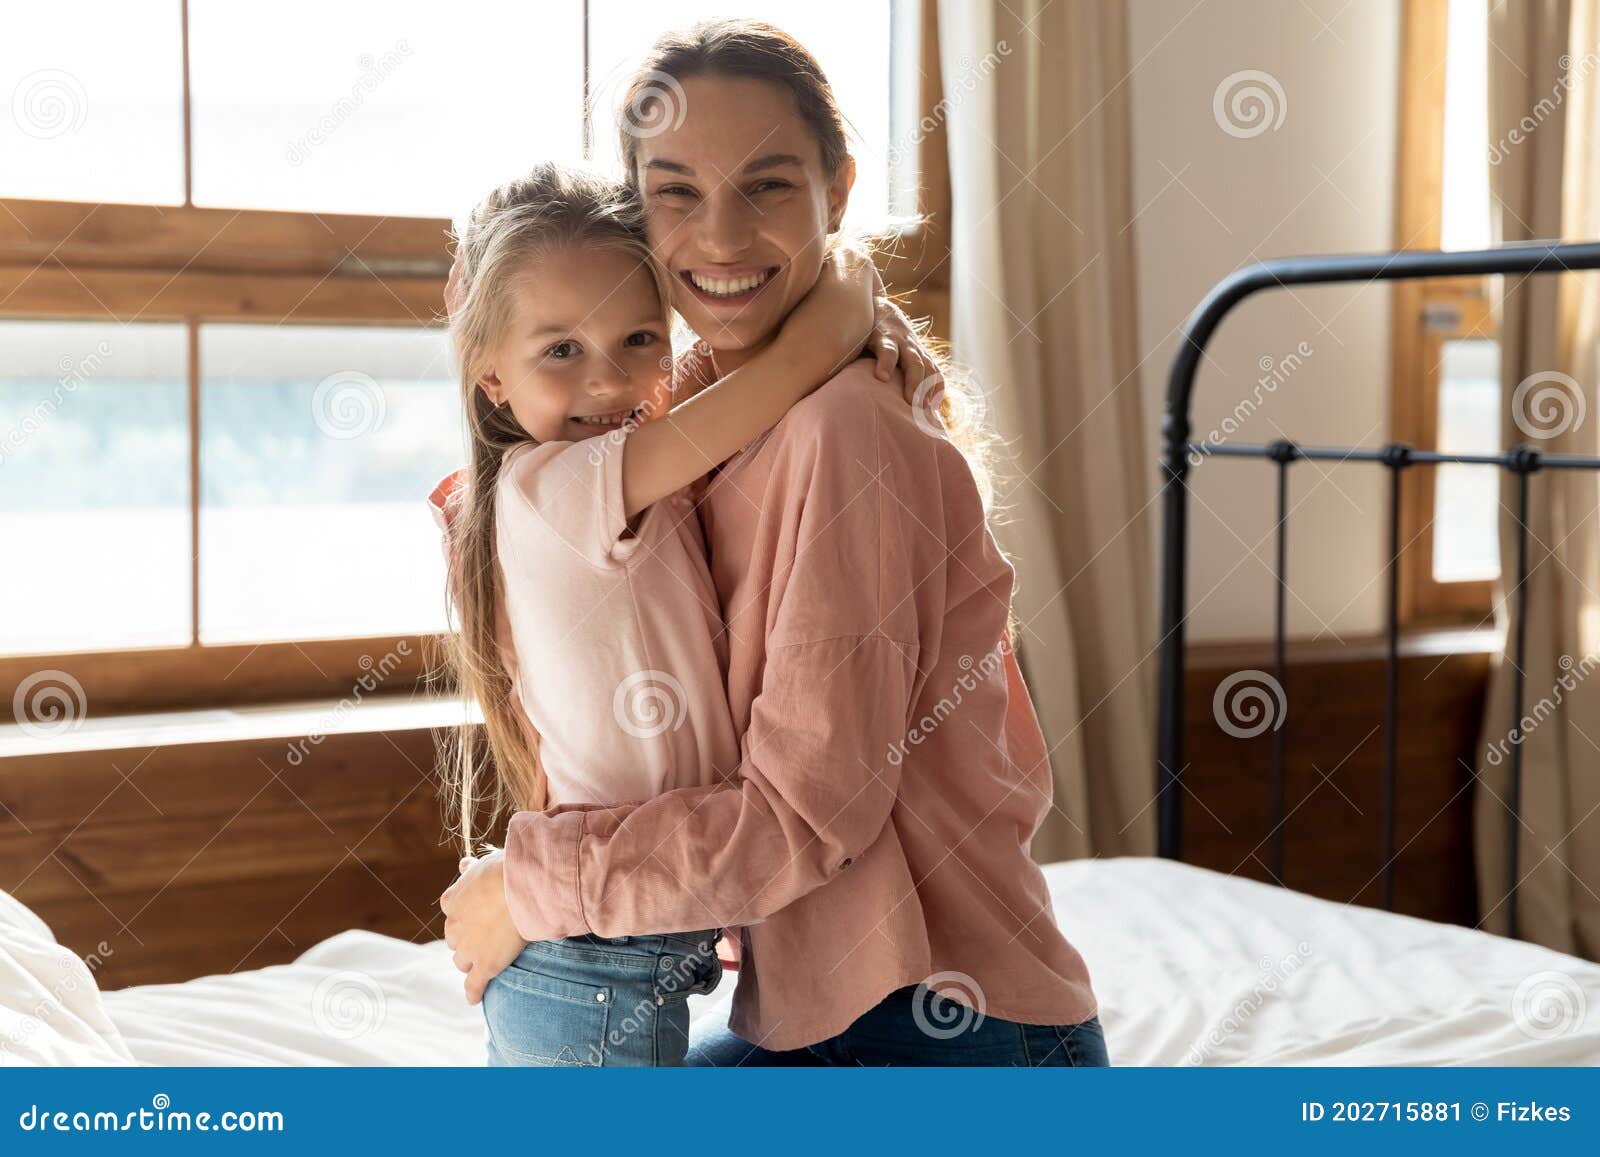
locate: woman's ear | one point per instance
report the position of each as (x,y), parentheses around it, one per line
(839,193)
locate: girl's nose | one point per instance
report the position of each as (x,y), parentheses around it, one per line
(609,378)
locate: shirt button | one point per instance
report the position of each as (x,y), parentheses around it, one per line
(600,996)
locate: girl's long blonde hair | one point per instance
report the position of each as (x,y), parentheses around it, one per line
(551,208)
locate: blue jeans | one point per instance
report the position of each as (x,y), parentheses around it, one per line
(594,1000)
(915,1026)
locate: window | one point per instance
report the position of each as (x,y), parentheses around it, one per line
(226,390)
(1446,386)
(95,461)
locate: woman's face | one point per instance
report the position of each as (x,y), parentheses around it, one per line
(738,207)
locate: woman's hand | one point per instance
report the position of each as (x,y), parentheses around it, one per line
(477,922)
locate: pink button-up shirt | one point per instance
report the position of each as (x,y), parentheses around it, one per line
(893,772)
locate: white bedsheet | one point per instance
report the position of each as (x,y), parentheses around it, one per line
(1192,967)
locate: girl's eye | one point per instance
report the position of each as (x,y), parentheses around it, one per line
(640,339)
(562,350)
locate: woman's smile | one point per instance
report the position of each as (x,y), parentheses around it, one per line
(721,288)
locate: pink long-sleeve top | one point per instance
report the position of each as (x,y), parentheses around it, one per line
(892,769)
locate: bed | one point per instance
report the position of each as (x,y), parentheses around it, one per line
(1193,967)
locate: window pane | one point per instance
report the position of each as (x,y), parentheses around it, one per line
(96,92)
(319,445)
(404,107)
(1466,534)
(851,39)
(94,486)
(1464,222)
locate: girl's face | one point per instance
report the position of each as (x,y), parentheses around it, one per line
(587,348)
(738,208)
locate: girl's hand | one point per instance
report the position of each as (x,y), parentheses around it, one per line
(894,341)
(477,923)
(837,314)
(454,290)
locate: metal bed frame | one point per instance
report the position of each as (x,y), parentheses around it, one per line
(1521,461)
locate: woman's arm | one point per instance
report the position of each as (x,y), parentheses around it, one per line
(818,339)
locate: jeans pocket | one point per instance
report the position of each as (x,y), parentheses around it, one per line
(538,1019)
(680,975)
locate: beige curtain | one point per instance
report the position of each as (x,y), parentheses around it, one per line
(1544,185)
(1044,314)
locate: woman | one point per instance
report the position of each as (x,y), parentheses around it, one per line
(873,850)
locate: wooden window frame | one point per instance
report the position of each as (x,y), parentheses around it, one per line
(1426,314)
(83,261)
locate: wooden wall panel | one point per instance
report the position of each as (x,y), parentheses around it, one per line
(1334,779)
(202,860)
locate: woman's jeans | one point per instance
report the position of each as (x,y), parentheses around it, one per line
(915,1026)
(593,1000)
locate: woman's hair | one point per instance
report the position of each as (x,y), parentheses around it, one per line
(550,209)
(758,51)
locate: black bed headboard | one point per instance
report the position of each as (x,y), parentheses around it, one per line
(1179,454)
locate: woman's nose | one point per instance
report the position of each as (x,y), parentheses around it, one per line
(727,225)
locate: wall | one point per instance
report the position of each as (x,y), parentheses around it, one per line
(1319,178)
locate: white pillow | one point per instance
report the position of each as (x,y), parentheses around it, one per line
(50,1008)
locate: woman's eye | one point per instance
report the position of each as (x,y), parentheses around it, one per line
(640,339)
(674,191)
(562,350)
(769,185)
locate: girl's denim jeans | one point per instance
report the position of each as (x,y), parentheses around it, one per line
(594,1000)
(915,1026)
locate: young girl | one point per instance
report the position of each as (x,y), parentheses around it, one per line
(589,630)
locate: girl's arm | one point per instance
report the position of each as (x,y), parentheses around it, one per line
(823,334)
